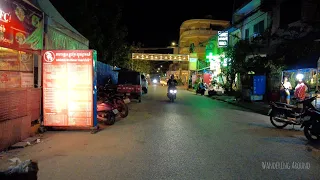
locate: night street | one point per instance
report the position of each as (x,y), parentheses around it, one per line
(193,138)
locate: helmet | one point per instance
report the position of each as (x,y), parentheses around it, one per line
(300,77)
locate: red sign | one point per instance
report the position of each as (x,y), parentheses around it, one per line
(68,87)
(21,25)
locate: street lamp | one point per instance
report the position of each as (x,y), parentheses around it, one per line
(161,66)
(173,43)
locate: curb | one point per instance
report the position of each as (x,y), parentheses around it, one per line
(263,112)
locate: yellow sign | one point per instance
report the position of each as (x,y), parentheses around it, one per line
(160,57)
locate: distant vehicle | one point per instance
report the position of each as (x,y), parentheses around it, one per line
(163,82)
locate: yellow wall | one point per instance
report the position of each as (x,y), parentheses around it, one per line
(198,32)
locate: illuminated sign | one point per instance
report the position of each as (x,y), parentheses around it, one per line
(160,57)
(68,87)
(21,25)
(4,17)
(223,37)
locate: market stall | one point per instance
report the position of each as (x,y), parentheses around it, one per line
(21,27)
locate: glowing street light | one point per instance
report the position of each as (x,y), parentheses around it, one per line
(161,66)
(173,43)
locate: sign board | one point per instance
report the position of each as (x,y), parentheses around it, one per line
(160,57)
(259,85)
(68,87)
(21,25)
(193,60)
(223,38)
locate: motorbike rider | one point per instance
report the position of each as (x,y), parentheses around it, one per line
(171,82)
(201,87)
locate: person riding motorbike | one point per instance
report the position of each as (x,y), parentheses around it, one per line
(201,88)
(171,82)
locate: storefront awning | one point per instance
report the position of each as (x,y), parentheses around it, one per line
(55,20)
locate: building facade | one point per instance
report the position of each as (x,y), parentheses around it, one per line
(195,33)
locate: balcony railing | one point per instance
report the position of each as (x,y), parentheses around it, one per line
(197,32)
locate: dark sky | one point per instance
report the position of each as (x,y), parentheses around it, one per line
(157,23)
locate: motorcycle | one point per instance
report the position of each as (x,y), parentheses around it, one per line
(172,94)
(282,114)
(311,126)
(106,112)
(201,90)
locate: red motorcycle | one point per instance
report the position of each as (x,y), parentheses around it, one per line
(109,106)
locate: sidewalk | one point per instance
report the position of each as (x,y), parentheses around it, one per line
(258,107)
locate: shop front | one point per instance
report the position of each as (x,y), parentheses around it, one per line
(21,39)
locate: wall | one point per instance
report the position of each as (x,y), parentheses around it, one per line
(16,117)
(252,20)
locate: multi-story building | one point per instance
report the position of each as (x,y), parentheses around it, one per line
(250,21)
(195,33)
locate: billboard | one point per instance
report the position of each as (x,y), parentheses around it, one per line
(223,38)
(193,60)
(21,25)
(68,87)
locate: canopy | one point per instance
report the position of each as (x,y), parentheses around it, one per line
(58,26)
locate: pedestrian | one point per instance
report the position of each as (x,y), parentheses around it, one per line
(300,90)
(285,90)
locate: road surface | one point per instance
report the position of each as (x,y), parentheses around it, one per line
(193,138)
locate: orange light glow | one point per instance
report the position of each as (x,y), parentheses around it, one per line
(67,88)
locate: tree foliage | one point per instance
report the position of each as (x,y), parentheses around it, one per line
(101,23)
(244,58)
(137,65)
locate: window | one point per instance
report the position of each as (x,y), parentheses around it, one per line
(246,34)
(259,27)
(216,27)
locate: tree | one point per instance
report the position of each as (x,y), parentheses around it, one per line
(295,42)
(101,23)
(240,62)
(142,66)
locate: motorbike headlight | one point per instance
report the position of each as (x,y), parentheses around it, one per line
(174,91)
(171,91)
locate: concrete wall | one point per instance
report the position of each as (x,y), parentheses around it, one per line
(253,20)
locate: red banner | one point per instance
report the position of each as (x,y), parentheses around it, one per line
(68,88)
(21,25)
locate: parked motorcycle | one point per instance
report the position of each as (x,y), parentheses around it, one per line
(116,100)
(106,112)
(282,114)
(201,90)
(110,105)
(311,126)
(172,94)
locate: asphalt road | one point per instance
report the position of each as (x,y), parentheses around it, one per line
(193,138)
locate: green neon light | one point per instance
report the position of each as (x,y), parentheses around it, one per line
(210,57)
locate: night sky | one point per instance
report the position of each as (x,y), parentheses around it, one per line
(157,23)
